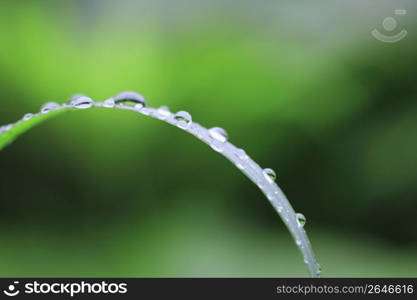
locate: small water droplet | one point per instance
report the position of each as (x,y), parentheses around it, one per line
(138,107)
(280,209)
(241,154)
(183,118)
(270,174)
(318,268)
(128,96)
(81,102)
(47,107)
(301,220)
(163,112)
(5,128)
(109,103)
(27,117)
(298,242)
(146,111)
(219,134)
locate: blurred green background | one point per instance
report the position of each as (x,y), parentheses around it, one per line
(302,86)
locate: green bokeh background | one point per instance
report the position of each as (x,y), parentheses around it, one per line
(302,86)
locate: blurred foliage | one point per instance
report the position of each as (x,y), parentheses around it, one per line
(105,193)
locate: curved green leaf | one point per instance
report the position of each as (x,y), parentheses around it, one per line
(216,138)
(21,127)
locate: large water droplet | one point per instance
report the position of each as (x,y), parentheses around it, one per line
(27,117)
(47,107)
(219,134)
(81,102)
(301,219)
(128,96)
(183,118)
(109,103)
(270,174)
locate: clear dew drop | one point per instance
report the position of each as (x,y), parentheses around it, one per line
(183,119)
(270,174)
(318,268)
(47,107)
(241,154)
(128,96)
(27,117)
(5,128)
(163,112)
(109,103)
(138,106)
(146,111)
(301,219)
(81,102)
(219,134)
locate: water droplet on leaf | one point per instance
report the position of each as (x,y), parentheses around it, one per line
(318,268)
(27,117)
(163,112)
(128,96)
(241,154)
(183,118)
(109,103)
(219,134)
(301,219)
(270,174)
(47,107)
(81,102)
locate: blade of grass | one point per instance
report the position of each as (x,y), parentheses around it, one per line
(216,138)
(21,127)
